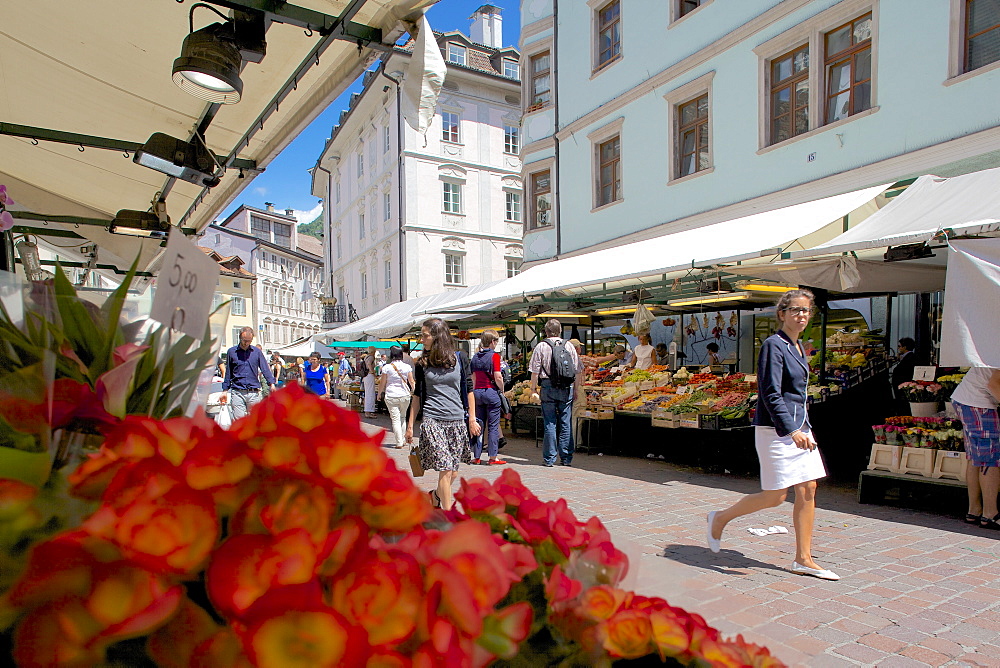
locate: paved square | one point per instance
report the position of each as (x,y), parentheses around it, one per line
(917,589)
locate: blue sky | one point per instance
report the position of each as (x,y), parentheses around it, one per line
(286,182)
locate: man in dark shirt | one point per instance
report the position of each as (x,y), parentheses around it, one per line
(903,372)
(243,364)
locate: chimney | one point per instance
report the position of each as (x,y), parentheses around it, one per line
(270,206)
(487,26)
(289,212)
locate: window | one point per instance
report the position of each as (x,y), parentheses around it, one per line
(386,206)
(361,226)
(267,295)
(512,209)
(216,300)
(513,266)
(239,307)
(373,217)
(387,266)
(982,33)
(609,37)
(456,54)
(361,160)
(511,139)
(337,189)
(340,296)
(260,228)
(283,235)
(541,199)
(692,136)
(236,284)
(685,7)
(454,273)
(449,126)
(541,83)
(386,141)
(452,197)
(609,174)
(790,94)
(364,285)
(340,247)
(849,68)
(511,69)
(236,335)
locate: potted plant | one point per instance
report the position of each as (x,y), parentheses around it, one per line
(924,396)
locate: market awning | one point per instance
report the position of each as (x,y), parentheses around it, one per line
(970,325)
(850,274)
(103,69)
(764,234)
(963,205)
(363,345)
(399,318)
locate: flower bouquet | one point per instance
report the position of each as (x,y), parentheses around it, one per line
(893,434)
(70,369)
(922,391)
(293,540)
(879,430)
(949,383)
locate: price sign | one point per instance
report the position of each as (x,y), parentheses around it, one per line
(683,389)
(184,287)
(924,372)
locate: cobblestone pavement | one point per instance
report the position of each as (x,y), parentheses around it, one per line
(917,589)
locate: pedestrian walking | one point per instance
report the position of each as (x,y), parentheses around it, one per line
(395,385)
(554,367)
(444,390)
(367,371)
(315,377)
(487,379)
(783,436)
(245,364)
(975,400)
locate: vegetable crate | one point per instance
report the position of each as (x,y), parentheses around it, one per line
(950,465)
(885,457)
(919,461)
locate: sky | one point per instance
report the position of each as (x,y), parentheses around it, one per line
(286,182)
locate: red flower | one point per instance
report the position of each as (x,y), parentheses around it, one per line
(393,503)
(306,638)
(246,566)
(284,503)
(381,591)
(478,497)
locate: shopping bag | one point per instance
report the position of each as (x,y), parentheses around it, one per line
(224,418)
(642,319)
(415,465)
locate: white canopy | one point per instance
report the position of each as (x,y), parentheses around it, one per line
(399,318)
(750,237)
(967,204)
(850,274)
(103,68)
(971,320)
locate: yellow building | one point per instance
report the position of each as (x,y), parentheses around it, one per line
(236,286)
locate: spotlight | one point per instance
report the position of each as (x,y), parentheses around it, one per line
(139,224)
(714,286)
(536,309)
(636,296)
(209,65)
(211,57)
(188,162)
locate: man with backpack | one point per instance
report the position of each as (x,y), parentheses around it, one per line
(554,367)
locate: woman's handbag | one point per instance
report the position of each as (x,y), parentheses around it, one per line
(415,465)
(504,404)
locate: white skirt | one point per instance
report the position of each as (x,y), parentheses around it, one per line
(782,464)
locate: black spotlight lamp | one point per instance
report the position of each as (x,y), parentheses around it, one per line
(189,162)
(209,64)
(139,224)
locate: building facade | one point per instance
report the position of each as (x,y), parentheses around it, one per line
(288,267)
(409,215)
(645,118)
(236,286)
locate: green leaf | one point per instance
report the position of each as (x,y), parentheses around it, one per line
(78,327)
(112,312)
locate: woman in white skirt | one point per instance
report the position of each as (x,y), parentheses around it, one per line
(785,444)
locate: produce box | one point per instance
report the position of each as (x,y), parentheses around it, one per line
(646,385)
(603,414)
(708,420)
(733,423)
(664,418)
(688,420)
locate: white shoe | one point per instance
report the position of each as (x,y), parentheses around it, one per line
(820,573)
(714,544)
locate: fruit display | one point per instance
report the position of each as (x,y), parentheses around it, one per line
(519,394)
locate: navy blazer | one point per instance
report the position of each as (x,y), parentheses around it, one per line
(782,379)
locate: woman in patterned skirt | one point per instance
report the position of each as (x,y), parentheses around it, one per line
(444,390)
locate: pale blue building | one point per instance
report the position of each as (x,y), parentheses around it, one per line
(645,117)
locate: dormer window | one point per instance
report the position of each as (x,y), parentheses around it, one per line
(511,69)
(456,54)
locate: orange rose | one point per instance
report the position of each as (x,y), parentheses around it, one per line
(351,463)
(380,591)
(303,638)
(627,634)
(601,602)
(284,503)
(393,503)
(670,633)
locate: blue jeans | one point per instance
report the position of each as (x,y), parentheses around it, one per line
(557,412)
(488,412)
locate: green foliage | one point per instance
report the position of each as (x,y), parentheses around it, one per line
(314,228)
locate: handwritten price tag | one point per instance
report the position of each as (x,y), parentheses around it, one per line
(185,287)
(924,372)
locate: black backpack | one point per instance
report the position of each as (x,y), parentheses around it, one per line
(562,369)
(363,367)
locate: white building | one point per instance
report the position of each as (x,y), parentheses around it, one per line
(407,215)
(288,267)
(646,118)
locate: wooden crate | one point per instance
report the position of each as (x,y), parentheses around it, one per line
(660,422)
(688,420)
(950,465)
(917,461)
(604,414)
(885,457)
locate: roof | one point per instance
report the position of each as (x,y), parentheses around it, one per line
(231,265)
(302,254)
(479,55)
(308,244)
(102,69)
